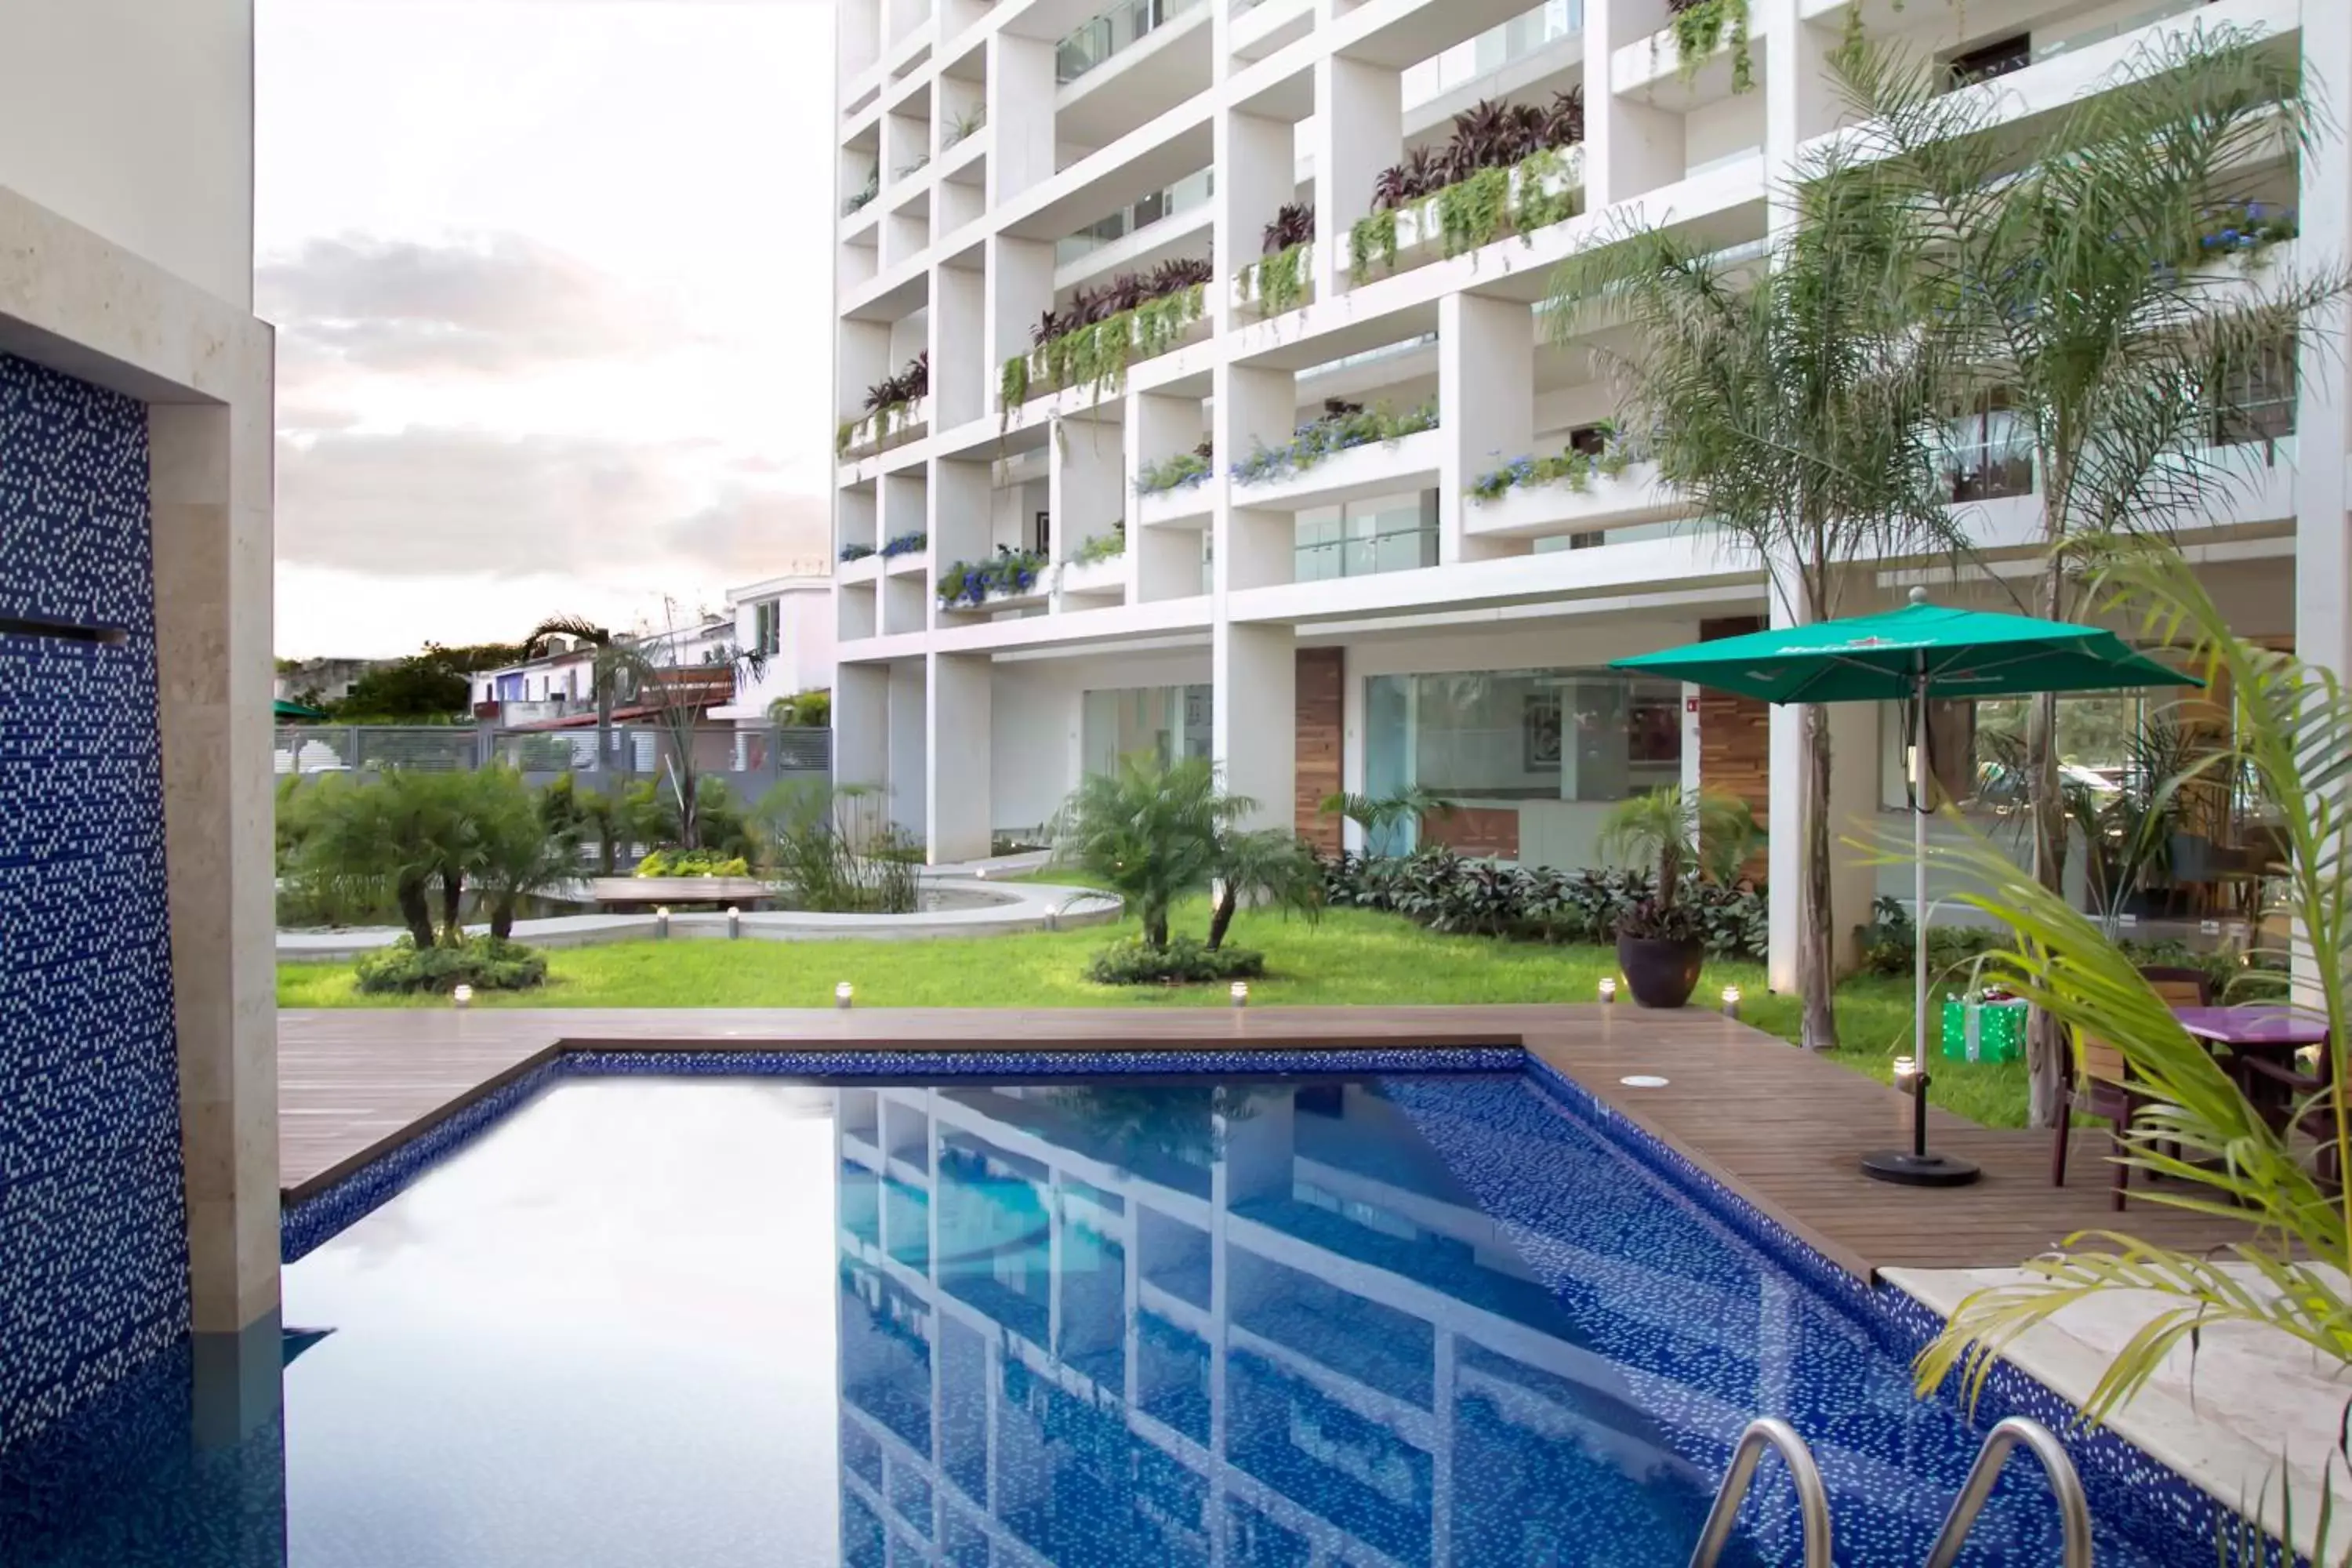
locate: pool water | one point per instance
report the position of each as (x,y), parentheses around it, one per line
(1392,1320)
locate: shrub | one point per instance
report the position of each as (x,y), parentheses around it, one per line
(693,863)
(1183,962)
(1443,891)
(837,850)
(485,964)
(1337,430)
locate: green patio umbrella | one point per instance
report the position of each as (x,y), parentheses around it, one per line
(1914,654)
(285,711)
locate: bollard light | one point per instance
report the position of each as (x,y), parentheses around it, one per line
(734,923)
(661,923)
(1731,1001)
(1609,988)
(981,873)
(461,996)
(1241,993)
(843,995)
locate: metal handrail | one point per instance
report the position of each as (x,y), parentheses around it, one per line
(2074,1507)
(1812,1501)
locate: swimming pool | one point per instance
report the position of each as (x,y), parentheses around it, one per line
(1382,1320)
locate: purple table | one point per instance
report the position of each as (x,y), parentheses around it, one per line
(2272,1034)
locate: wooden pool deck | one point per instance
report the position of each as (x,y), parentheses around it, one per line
(1779,1127)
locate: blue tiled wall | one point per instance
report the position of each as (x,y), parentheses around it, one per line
(93,1250)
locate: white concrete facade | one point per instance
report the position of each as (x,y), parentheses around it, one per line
(1000,186)
(789,623)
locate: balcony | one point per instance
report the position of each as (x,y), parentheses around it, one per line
(1101,38)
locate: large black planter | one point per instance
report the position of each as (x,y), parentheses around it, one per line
(1660,974)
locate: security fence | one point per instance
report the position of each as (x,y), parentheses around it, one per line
(749,760)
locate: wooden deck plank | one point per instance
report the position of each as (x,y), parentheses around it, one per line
(1781,1128)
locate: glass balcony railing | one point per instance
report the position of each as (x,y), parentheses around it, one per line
(1186,193)
(1107,32)
(1491,50)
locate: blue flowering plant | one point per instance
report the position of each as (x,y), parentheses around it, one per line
(1184,471)
(1341,426)
(2244,227)
(1572,466)
(905,544)
(856,552)
(972,583)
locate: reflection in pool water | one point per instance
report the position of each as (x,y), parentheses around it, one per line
(1396,1320)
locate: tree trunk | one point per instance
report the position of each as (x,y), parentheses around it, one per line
(415,912)
(2045,1043)
(1816,966)
(1220,916)
(502,917)
(1155,927)
(453,894)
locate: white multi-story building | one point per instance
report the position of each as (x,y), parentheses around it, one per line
(1366,622)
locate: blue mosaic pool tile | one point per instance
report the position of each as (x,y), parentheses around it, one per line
(93,1249)
(2175,1520)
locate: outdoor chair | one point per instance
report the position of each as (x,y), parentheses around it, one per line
(2305,1103)
(2104,1087)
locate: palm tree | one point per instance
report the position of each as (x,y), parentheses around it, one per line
(1150,832)
(1263,867)
(1677,830)
(2079,286)
(1380,816)
(2196,1128)
(581,632)
(1795,405)
(652,680)
(513,854)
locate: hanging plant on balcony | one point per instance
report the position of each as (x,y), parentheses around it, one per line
(1500,165)
(888,402)
(972,583)
(1702,27)
(1342,426)
(1185,471)
(905,545)
(1574,467)
(1092,340)
(1293,226)
(1102,546)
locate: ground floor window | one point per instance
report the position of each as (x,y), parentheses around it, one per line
(1167,722)
(1534,758)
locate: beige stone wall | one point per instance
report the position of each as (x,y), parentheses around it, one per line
(83,305)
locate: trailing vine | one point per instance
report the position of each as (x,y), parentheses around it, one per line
(1279,281)
(1472,214)
(1096,356)
(1702,27)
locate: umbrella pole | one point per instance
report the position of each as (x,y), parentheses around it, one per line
(1914,1166)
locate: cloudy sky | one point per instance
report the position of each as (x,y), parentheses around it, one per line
(550,280)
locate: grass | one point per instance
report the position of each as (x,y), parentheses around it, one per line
(1352,957)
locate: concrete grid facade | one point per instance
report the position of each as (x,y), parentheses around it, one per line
(1367,623)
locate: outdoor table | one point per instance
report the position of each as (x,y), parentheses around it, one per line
(2276,1033)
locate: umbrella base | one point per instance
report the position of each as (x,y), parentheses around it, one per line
(1906,1169)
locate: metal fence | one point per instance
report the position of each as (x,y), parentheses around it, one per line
(749,760)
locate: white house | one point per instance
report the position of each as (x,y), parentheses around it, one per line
(789,622)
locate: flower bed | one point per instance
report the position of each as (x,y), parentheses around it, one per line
(1572,467)
(1092,343)
(970,583)
(1184,471)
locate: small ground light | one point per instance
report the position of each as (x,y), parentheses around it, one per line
(661,922)
(1241,993)
(1609,988)
(1731,1001)
(734,923)
(843,995)
(1643,1080)
(462,996)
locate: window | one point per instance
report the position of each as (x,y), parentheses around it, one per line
(1988,455)
(1168,721)
(2254,399)
(1977,749)
(1988,60)
(767,627)
(1385,534)
(1554,746)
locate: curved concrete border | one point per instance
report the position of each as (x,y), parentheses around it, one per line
(1015,907)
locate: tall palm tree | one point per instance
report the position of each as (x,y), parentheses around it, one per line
(1793,403)
(581,631)
(650,677)
(2085,282)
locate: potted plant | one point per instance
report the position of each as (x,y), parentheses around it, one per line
(1660,941)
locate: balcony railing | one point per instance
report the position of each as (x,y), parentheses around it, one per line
(1491,50)
(1186,193)
(1100,36)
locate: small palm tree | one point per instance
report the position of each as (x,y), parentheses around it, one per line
(583,632)
(1677,830)
(1380,815)
(1150,832)
(1265,867)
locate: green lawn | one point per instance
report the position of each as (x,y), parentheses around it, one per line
(1353,957)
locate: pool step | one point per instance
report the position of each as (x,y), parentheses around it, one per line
(1813,1503)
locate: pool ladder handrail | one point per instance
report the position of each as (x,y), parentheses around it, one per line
(1812,1499)
(1813,1505)
(2065,1485)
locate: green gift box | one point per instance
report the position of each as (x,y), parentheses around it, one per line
(1983,1031)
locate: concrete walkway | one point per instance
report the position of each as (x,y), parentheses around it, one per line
(1010,907)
